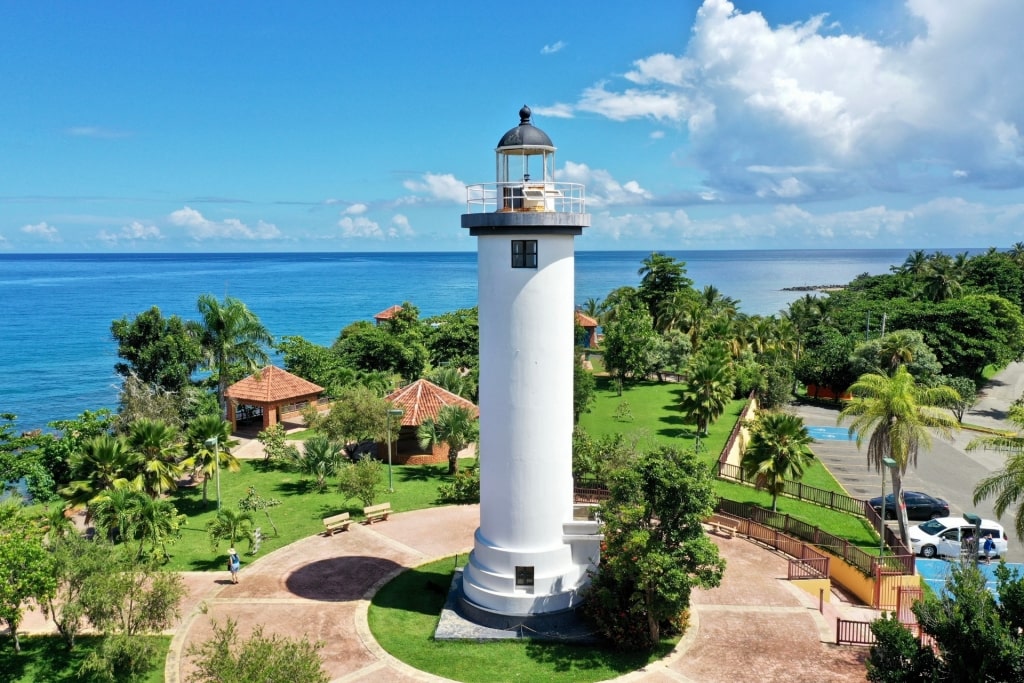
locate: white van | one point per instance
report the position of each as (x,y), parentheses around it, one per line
(946,536)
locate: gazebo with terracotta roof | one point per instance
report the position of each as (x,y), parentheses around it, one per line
(270,389)
(418,401)
(590,325)
(387,313)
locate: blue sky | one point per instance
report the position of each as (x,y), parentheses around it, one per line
(344,126)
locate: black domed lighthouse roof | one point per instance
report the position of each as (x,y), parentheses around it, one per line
(525,134)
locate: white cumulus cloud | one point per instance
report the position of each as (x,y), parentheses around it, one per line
(553,48)
(133,232)
(602,189)
(201,228)
(443,186)
(44,230)
(942,106)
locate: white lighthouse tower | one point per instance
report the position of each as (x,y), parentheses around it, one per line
(530,558)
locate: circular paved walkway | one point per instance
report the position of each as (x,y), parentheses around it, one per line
(756,624)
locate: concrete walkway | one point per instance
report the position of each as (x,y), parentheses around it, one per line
(319,587)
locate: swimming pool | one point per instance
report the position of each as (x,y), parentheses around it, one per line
(831,434)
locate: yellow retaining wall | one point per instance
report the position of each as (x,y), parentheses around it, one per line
(735,454)
(854,581)
(815,587)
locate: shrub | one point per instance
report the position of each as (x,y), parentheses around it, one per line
(463,489)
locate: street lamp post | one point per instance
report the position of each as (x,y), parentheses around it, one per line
(215,442)
(973,547)
(393,412)
(891,464)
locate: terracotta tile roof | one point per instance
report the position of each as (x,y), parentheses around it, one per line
(274,385)
(585,320)
(388,313)
(423,399)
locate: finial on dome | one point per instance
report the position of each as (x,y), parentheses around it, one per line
(524,116)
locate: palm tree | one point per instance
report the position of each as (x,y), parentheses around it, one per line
(203,458)
(779,449)
(156,521)
(232,338)
(1006,484)
(229,525)
(115,512)
(708,391)
(157,444)
(898,413)
(454,426)
(103,463)
(320,458)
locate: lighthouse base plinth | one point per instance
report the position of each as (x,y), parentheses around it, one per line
(461,619)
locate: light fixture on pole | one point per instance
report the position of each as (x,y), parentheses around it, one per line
(393,412)
(973,547)
(215,442)
(891,464)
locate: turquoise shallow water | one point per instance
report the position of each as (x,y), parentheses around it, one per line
(57,357)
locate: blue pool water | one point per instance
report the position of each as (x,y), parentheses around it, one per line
(936,572)
(831,434)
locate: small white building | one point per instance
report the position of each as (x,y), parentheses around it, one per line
(529,557)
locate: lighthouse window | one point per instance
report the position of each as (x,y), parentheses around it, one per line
(524,576)
(524,253)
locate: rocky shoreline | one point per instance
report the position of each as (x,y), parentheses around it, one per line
(814,288)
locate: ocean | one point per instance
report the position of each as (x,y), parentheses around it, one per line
(57,356)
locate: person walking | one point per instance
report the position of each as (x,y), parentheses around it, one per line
(989,547)
(234,564)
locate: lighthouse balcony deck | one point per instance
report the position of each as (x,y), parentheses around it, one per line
(526,196)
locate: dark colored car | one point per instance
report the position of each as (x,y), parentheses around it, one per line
(919,506)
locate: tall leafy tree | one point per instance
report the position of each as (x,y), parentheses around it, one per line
(455,427)
(233,341)
(661,276)
(630,345)
(1005,484)
(158,350)
(360,414)
(656,549)
(975,637)
(898,414)
(779,450)
(27,568)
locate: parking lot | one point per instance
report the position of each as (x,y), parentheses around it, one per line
(946,470)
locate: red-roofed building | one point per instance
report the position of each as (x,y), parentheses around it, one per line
(387,314)
(590,325)
(272,392)
(418,401)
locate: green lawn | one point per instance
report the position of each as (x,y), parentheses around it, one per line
(654,418)
(300,513)
(45,658)
(656,421)
(404,614)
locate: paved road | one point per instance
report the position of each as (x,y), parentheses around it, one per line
(948,470)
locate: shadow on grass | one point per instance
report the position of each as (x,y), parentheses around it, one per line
(46,659)
(438,473)
(265,466)
(565,657)
(298,488)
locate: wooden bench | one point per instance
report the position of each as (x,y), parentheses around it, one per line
(723,529)
(375,512)
(337,523)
